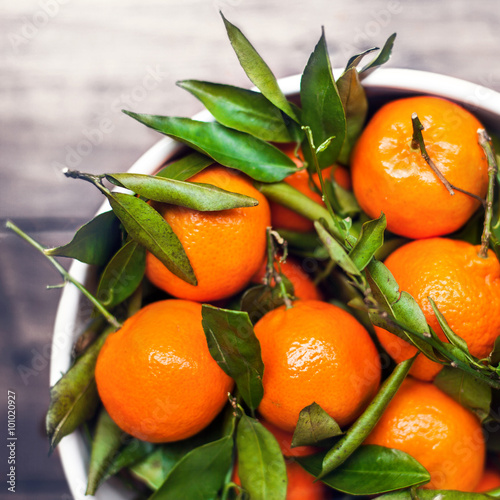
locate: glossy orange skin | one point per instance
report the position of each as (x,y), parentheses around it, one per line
(303,286)
(156,377)
(284,218)
(315,352)
(490,480)
(389,176)
(465,288)
(301,484)
(225,248)
(284,439)
(442,435)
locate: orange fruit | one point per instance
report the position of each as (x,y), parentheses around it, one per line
(442,435)
(303,286)
(225,248)
(285,441)
(301,485)
(464,286)
(156,377)
(284,218)
(490,480)
(315,352)
(389,176)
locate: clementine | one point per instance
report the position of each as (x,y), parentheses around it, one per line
(156,377)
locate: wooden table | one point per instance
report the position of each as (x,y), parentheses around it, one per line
(68,67)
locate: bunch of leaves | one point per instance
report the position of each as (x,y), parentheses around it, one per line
(247,123)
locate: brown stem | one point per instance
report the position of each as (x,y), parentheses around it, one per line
(484,142)
(418,142)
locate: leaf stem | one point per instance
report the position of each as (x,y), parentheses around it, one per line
(484,142)
(272,272)
(360,430)
(417,142)
(67,277)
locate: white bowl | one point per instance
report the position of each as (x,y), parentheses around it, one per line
(381,84)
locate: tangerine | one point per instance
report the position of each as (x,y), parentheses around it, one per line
(303,286)
(490,480)
(225,248)
(442,435)
(315,352)
(156,377)
(285,218)
(390,176)
(464,286)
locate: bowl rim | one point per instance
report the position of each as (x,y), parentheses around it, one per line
(72,449)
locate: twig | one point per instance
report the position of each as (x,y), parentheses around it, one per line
(67,277)
(484,142)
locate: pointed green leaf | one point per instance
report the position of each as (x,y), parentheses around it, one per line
(314,426)
(355,103)
(184,168)
(335,250)
(233,344)
(195,195)
(369,241)
(466,390)
(132,453)
(94,243)
(200,474)
(356,59)
(261,466)
(150,470)
(242,109)
(383,56)
(257,70)
(401,306)
(343,201)
(360,430)
(434,495)
(74,399)
(255,157)
(371,470)
(122,275)
(452,337)
(146,226)
(322,109)
(107,440)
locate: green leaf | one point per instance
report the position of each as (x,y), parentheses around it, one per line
(255,157)
(94,243)
(195,195)
(402,306)
(233,344)
(122,275)
(466,390)
(132,453)
(200,474)
(322,107)
(74,399)
(383,56)
(242,109)
(363,426)
(494,356)
(107,440)
(151,469)
(370,470)
(335,250)
(146,226)
(260,299)
(343,201)
(434,495)
(261,466)
(257,70)
(452,337)
(369,241)
(355,103)
(356,59)
(186,167)
(314,426)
